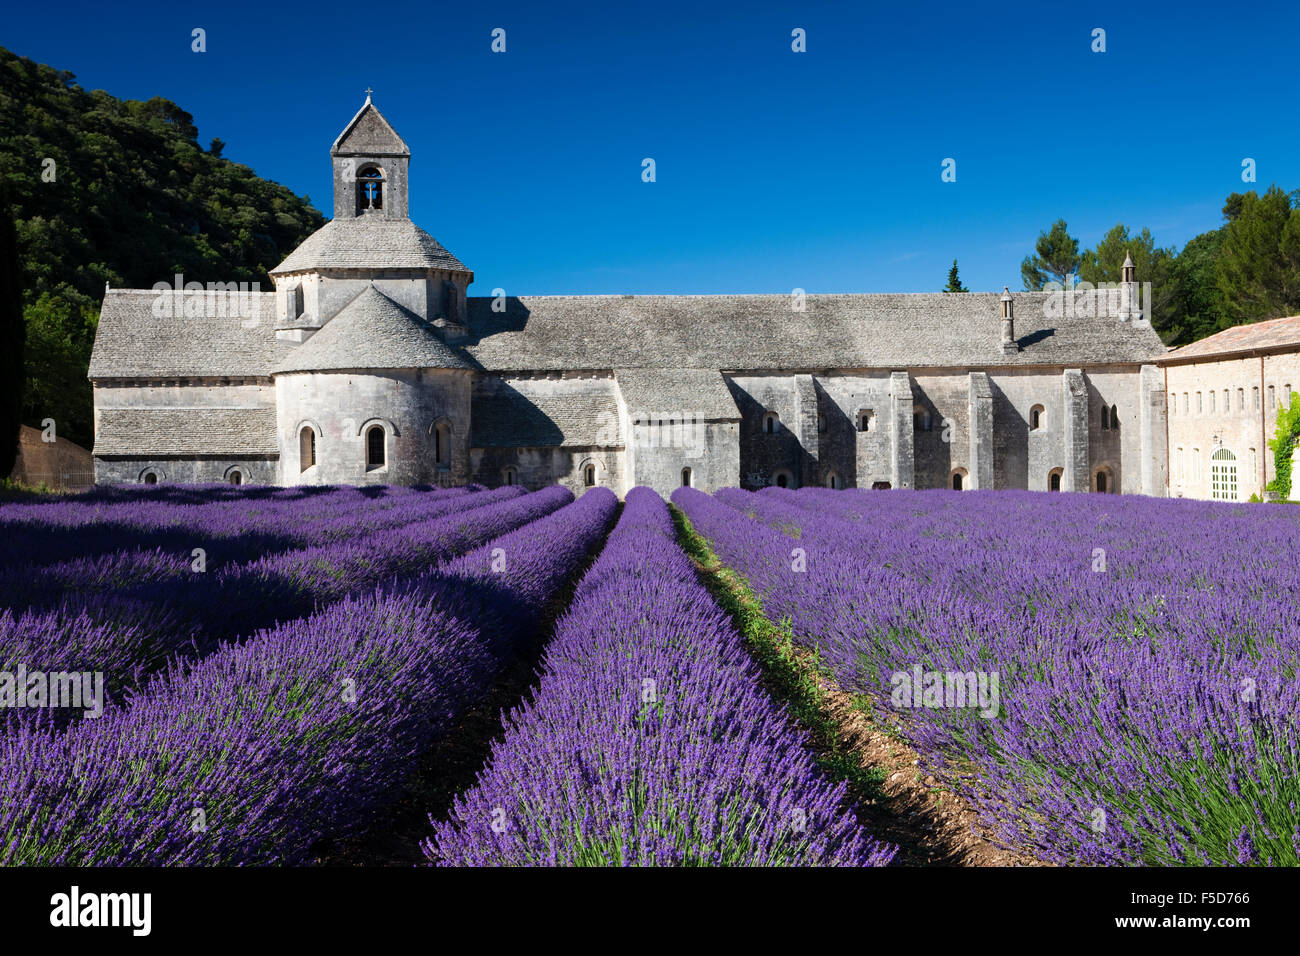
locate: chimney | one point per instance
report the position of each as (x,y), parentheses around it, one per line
(1009,343)
(1128,291)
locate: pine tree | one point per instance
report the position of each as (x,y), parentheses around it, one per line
(1055,258)
(954,280)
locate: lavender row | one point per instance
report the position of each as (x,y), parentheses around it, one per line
(228,531)
(220,545)
(255,753)
(189,616)
(1146,710)
(649,739)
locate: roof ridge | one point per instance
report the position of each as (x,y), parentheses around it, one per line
(748,295)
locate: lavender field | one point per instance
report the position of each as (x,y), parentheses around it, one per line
(251,676)
(1146,654)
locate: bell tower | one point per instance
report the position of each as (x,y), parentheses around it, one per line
(370,168)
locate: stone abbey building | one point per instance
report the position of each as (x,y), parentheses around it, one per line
(370,362)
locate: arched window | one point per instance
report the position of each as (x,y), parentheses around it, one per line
(306,448)
(770,422)
(1223,475)
(686,477)
(866,420)
(1054,479)
(370,189)
(236,477)
(1102,481)
(782,481)
(150,478)
(589,475)
(1036,418)
(921,420)
(958,479)
(442,445)
(1105,417)
(375,450)
(833,480)
(508,477)
(1114,417)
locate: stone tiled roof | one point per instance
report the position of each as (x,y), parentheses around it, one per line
(693,393)
(185,432)
(147,334)
(528,414)
(1273,334)
(754,332)
(373,332)
(369,242)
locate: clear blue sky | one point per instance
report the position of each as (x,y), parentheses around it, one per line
(776,170)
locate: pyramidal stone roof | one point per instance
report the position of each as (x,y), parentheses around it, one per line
(374,332)
(369,134)
(368,242)
(755,332)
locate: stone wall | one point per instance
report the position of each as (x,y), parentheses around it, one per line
(253,471)
(341,407)
(857,458)
(924,428)
(711,450)
(764,455)
(1242,423)
(540,467)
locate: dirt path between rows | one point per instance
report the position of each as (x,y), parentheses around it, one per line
(931,825)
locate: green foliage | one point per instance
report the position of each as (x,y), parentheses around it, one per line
(1246,270)
(60,334)
(1283,444)
(130,199)
(1258,274)
(12,347)
(1199,309)
(1055,259)
(954,280)
(1104,264)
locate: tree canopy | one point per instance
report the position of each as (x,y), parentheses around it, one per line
(1246,270)
(1055,258)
